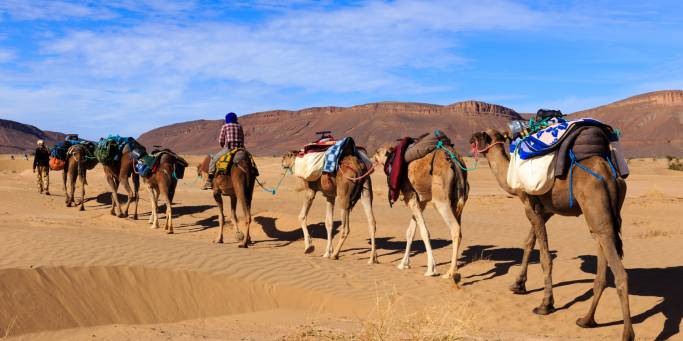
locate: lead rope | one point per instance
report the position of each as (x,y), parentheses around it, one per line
(274,190)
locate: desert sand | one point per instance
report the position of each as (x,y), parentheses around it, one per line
(70,275)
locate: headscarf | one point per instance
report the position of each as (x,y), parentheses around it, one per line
(231,118)
(41,142)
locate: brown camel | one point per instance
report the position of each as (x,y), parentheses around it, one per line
(239,186)
(79,160)
(118,174)
(432,178)
(599,201)
(163,183)
(337,189)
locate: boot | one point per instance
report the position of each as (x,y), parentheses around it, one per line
(209,182)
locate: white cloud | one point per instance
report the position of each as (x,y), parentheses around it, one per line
(6,56)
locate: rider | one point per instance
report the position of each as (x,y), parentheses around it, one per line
(41,162)
(231,137)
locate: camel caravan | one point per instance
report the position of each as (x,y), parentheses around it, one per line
(554,165)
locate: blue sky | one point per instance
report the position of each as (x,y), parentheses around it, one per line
(126,66)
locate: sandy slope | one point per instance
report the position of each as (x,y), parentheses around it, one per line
(68,275)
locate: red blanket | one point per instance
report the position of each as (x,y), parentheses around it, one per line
(395,168)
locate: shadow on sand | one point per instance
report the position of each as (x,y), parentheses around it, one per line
(505,258)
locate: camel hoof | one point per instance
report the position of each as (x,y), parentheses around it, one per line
(218,241)
(309,249)
(454,277)
(373,261)
(402,266)
(518,289)
(586,323)
(169,232)
(81,208)
(135,217)
(326,255)
(112,212)
(239,236)
(121,215)
(243,246)
(432,274)
(544,310)
(335,257)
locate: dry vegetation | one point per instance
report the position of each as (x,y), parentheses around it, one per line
(675,163)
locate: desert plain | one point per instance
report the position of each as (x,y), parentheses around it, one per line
(70,275)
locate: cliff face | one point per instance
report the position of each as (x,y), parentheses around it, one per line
(274,132)
(17,138)
(651,123)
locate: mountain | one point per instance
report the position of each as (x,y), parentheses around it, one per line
(651,123)
(275,132)
(17,138)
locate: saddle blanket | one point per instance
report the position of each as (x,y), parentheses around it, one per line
(334,154)
(548,139)
(225,162)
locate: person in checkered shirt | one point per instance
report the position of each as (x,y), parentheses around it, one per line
(231,137)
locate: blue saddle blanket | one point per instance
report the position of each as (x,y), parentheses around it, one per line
(334,153)
(546,140)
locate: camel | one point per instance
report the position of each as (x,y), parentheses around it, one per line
(77,163)
(239,186)
(432,178)
(162,183)
(118,173)
(337,189)
(599,201)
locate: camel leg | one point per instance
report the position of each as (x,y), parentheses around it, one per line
(153,198)
(309,195)
(221,217)
(519,286)
(169,212)
(136,194)
(366,201)
(417,207)
(131,196)
(241,201)
(448,215)
(81,173)
(115,204)
(621,281)
(64,181)
(71,189)
(345,212)
(329,224)
(410,235)
(547,305)
(588,321)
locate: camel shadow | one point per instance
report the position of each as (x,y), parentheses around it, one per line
(398,246)
(270,229)
(104,199)
(665,283)
(504,259)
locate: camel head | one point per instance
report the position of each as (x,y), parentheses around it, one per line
(483,140)
(288,159)
(382,153)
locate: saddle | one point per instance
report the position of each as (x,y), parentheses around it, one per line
(88,150)
(234,156)
(148,164)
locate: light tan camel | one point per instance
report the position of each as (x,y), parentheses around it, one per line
(599,201)
(162,183)
(79,159)
(432,178)
(239,186)
(337,189)
(118,174)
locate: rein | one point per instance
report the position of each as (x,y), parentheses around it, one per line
(454,158)
(272,191)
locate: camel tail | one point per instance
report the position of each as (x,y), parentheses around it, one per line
(460,189)
(616,191)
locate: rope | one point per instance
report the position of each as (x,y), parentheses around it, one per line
(439,145)
(572,157)
(372,169)
(274,190)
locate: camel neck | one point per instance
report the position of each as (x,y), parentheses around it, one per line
(499,162)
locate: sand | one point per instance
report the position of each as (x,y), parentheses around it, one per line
(70,275)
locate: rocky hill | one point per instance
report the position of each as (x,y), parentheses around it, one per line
(17,138)
(274,132)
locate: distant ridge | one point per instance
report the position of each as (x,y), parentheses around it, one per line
(274,132)
(18,138)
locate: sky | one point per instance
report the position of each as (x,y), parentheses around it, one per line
(127,66)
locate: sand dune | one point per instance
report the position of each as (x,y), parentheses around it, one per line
(71,275)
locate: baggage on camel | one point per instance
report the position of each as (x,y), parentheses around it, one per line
(552,151)
(148,164)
